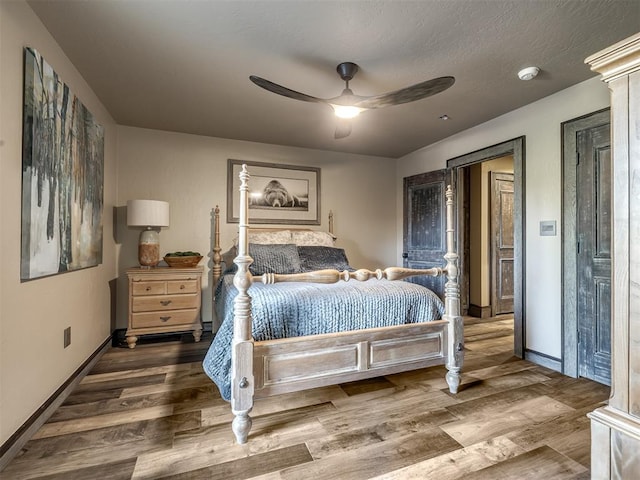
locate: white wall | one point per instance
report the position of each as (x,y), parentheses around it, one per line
(540,123)
(190,172)
(34,314)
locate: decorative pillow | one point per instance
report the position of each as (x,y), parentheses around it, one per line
(229,256)
(321,257)
(265,238)
(308,238)
(274,258)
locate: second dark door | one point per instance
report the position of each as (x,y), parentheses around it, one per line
(593,228)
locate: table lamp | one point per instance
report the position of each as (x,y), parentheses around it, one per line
(150,214)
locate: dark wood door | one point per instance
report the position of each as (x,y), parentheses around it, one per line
(424,226)
(502,282)
(593,199)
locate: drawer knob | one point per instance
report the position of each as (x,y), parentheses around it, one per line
(148,288)
(165,319)
(182,287)
(165,302)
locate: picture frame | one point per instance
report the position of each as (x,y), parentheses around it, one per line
(62,176)
(280,194)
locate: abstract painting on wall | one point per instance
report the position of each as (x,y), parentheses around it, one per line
(62,176)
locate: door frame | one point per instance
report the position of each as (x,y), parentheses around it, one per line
(569,255)
(516,148)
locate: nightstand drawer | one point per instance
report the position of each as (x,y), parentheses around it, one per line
(148,288)
(164,319)
(182,286)
(165,302)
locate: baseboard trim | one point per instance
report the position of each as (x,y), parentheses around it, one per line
(14,444)
(479,312)
(544,360)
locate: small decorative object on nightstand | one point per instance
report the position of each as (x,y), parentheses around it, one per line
(183,259)
(163,300)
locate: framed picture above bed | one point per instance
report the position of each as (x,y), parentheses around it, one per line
(280,194)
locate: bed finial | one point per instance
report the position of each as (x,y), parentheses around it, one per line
(452,299)
(242,384)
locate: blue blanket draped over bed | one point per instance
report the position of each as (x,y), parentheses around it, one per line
(297,309)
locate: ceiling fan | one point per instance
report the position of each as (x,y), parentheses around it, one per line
(348,105)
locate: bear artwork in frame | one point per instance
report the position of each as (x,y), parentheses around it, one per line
(282,194)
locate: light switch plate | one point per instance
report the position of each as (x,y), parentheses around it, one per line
(548,228)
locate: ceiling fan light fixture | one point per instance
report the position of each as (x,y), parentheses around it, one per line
(348,106)
(346,111)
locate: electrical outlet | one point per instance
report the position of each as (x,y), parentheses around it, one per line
(67,337)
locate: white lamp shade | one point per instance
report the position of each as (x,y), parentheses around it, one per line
(147,213)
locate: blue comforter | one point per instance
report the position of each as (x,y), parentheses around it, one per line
(297,309)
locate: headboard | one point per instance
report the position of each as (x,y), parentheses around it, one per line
(219,257)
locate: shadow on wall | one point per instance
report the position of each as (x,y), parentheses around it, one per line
(113,304)
(126,240)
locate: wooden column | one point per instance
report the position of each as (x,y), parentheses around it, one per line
(615,428)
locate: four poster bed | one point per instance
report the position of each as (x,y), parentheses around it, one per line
(288,323)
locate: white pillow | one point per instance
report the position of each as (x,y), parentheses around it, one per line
(268,238)
(312,238)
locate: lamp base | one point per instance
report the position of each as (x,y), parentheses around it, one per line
(149,248)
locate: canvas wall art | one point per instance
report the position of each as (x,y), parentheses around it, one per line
(62,176)
(284,194)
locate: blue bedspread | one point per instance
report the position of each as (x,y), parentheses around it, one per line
(297,309)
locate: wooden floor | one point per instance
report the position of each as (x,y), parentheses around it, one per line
(151,413)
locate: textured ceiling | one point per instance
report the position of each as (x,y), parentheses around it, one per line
(184,66)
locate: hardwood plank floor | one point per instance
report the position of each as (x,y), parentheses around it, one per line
(151,413)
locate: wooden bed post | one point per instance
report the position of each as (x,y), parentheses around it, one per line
(242,384)
(331,223)
(455,346)
(217,258)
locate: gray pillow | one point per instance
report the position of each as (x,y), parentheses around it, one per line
(321,257)
(274,258)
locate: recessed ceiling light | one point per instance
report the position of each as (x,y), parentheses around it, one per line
(528,73)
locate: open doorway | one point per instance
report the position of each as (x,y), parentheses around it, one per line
(490,237)
(476,278)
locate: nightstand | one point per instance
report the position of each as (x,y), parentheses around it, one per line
(162,300)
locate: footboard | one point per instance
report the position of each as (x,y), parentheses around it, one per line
(288,365)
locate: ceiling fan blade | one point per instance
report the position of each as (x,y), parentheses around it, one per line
(284,91)
(408,94)
(343,129)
